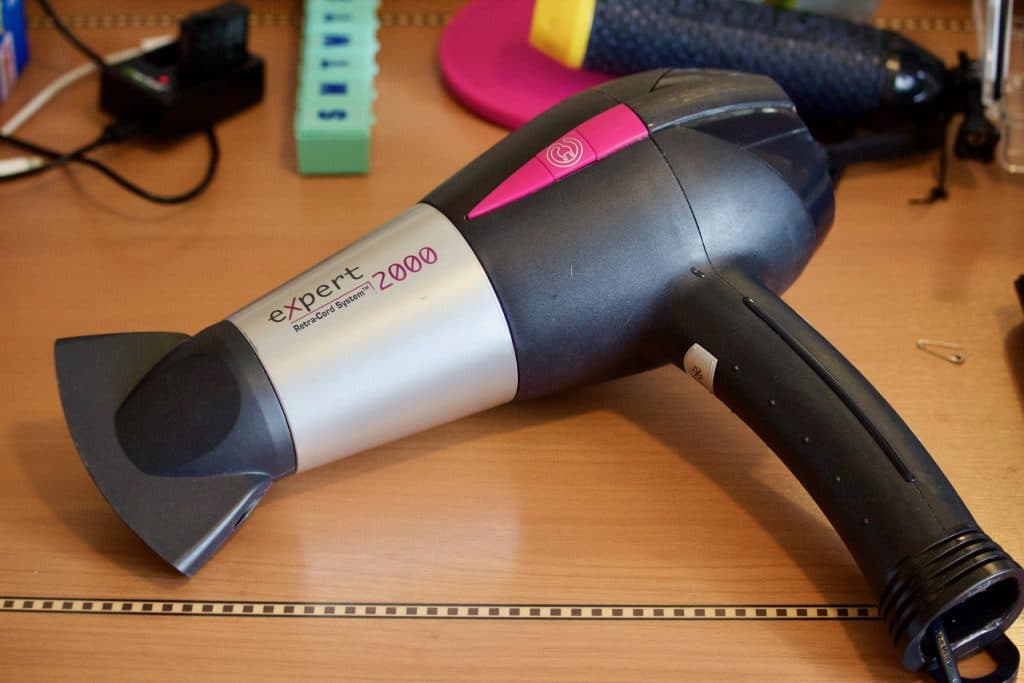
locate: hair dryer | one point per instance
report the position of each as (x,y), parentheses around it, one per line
(651,220)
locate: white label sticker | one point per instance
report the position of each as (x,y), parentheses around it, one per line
(700,365)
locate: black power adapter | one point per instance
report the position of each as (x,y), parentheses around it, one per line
(206,75)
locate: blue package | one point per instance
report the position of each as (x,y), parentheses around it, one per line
(13,44)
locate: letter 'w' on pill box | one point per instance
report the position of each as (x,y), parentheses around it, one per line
(334,102)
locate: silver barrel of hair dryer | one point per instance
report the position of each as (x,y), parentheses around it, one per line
(423,341)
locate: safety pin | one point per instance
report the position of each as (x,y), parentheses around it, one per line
(933,347)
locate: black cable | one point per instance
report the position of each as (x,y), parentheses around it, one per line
(111,135)
(115,133)
(938,192)
(54,162)
(56,159)
(103,139)
(197,189)
(71,37)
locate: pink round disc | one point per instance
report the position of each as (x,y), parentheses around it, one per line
(488,64)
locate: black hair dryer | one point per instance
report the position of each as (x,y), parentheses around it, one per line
(651,220)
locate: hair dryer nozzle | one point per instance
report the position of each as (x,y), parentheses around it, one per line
(184,509)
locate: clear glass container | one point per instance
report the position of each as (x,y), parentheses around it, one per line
(1001,41)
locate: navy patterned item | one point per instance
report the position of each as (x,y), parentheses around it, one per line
(831,68)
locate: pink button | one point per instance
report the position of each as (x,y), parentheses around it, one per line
(528,178)
(568,153)
(613,129)
(594,139)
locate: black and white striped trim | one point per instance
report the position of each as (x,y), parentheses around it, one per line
(390,610)
(422,20)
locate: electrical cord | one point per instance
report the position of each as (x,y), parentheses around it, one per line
(112,135)
(54,161)
(71,37)
(118,132)
(197,189)
(58,84)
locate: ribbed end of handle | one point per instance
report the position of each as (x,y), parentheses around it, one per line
(968,581)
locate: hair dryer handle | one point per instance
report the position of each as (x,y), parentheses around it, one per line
(913,538)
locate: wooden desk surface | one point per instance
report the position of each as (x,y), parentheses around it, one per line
(642,492)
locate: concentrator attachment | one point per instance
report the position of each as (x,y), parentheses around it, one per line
(183,436)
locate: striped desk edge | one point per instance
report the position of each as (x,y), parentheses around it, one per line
(393,610)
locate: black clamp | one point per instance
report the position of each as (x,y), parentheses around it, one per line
(944,668)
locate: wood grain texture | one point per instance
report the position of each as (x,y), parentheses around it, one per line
(641,491)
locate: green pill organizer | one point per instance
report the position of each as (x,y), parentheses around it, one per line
(334,103)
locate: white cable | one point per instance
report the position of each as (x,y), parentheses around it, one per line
(19,165)
(79,72)
(14,165)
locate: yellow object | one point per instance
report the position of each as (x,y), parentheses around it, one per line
(561,29)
